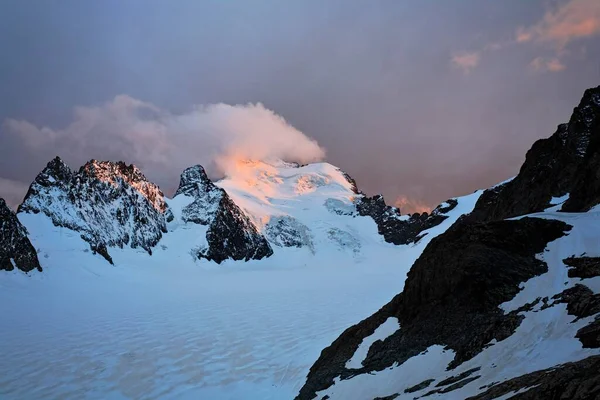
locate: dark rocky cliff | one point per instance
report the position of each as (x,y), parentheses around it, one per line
(16,250)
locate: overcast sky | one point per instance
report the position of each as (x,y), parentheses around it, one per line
(418,100)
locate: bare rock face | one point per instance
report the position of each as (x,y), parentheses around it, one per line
(109,204)
(585,194)
(398,229)
(566,162)
(583,267)
(578,380)
(231,234)
(16,250)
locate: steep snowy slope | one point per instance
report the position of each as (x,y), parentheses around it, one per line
(494,307)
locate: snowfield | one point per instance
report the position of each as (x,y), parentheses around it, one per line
(169,331)
(170,326)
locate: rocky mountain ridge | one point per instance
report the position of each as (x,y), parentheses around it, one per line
(112,204)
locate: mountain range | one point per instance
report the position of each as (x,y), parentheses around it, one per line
(501,297)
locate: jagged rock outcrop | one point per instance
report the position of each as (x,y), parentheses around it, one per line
(286,231)
(451,298)
(583,267)
(578,380)
(231,234)
(351,181)
(109,204)
(401,229)
(585,194)
(566,162)
(16,250)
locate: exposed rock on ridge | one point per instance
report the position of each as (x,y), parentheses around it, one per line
(15,248)
(566,162)
(574,381)
(399,229)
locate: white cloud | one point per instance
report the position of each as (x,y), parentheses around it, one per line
(466,61)
(163,143)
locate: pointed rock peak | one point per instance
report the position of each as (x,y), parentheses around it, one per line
(591,96)
(193,180)
(193,175)
(57,163)
(4,209)
(583,123)
(56,169)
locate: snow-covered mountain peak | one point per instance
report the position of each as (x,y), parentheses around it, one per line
(108,204)
(191,181)
(272,182)
(110,172)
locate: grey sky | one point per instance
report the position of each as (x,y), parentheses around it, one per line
(423,99)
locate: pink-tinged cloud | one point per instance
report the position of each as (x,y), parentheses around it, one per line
(466,61)
(161,142)
(542,65)
(555,65)
(408,205)
(573,20)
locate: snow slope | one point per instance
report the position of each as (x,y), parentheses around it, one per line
(171,326)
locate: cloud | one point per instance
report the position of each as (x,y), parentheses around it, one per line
(552,65)
(409,205)
(466,61)
(573,20)
(12,191)
(555,65)
(163,143)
